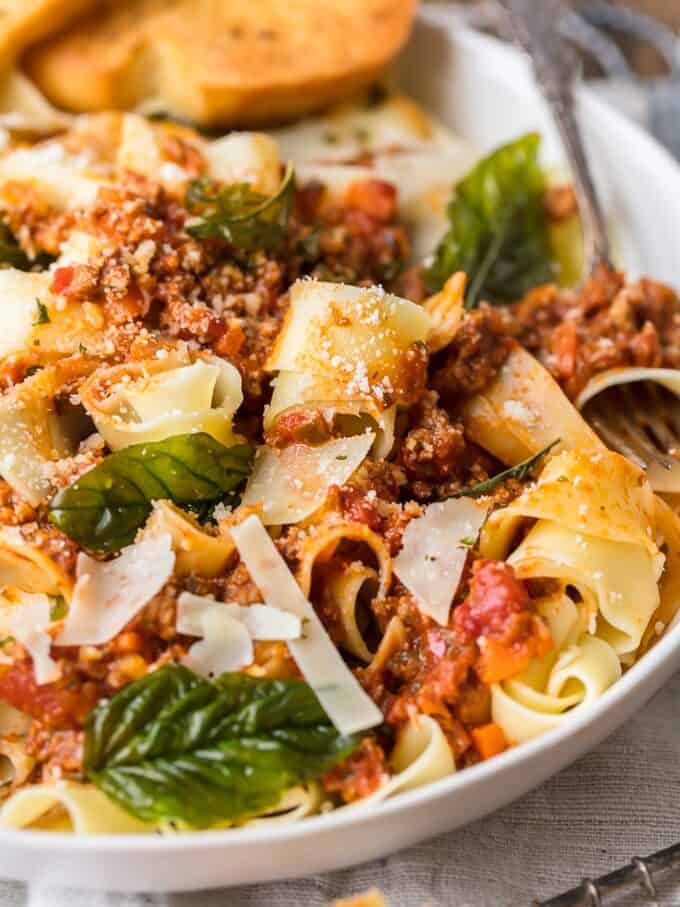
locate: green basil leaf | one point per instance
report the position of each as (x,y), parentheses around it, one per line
(104,508)
(174,747)
(520,472)
(498,231)
(244,218)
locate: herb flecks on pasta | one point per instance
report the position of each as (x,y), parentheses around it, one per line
(278,530)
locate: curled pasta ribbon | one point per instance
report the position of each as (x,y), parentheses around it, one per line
(446,311)
(71,807)
(83,809)
(25,567)
(297,392)
(344,585)
(34,433)
(421,755)
(196,552)
(593,531)
(158,398)
(15,763)
(393,639)
(321,546)
(540,698)
(343,351)
(522,411)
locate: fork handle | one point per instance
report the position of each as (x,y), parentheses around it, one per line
(535,26)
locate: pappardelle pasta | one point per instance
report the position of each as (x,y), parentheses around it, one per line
(298,508)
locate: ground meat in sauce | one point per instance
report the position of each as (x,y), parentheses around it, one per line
(151,280)
(479,349)
(360,775)
(608,324)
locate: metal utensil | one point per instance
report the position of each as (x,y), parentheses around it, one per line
(638,877)
(535,27)
(640,421)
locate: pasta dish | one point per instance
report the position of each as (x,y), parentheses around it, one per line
(299,507)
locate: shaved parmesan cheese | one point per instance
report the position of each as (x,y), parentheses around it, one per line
(226,644)
(347,705)
(108,594)
(262,621)
(228,630)
(435,547)
(267,623)
(29,622)
(292,483)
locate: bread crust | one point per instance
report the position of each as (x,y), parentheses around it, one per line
(23,22)
(221,62)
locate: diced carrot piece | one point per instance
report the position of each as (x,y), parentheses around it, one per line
(498,662)
(489,740)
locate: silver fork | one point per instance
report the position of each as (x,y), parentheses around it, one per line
(638,419)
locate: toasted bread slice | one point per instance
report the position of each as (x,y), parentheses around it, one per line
(25,21)
(220,62)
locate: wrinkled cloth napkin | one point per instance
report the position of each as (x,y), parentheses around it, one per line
(620,801)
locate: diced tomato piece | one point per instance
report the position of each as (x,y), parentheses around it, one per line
(54,704)
(62,279)
(495,596)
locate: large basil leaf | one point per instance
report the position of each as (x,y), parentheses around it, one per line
(498,231)
(104,508)
(174,747)
(245,218)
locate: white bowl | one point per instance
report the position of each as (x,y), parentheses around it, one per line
(483,90)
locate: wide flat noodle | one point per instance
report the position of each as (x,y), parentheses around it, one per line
(358,337)
(196,551)
(347,705)
(522,411)
(168,395)
(68,806)
(595,533)
(25,567)
(531,704)
(421,755)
